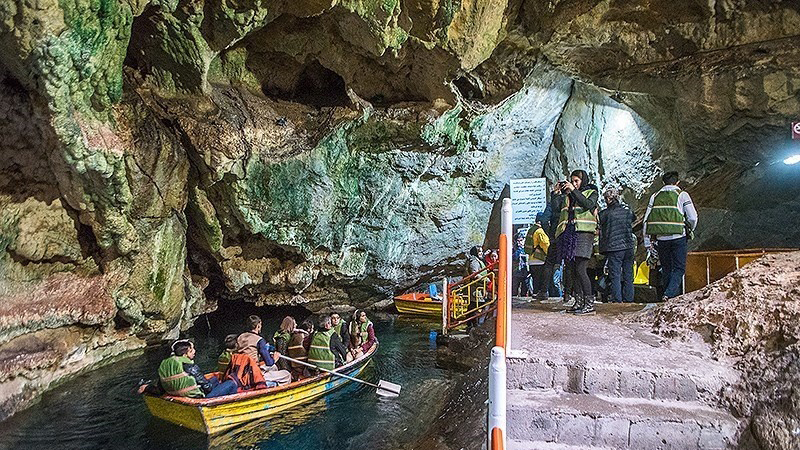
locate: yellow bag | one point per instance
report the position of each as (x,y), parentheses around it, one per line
(643,274)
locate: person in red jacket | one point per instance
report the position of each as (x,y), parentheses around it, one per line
(362,334)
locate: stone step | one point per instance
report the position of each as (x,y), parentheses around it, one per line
(581,377)
(619,423)
(599,355)
(514,444)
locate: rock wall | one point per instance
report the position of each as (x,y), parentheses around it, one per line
(751,318)
(331,153)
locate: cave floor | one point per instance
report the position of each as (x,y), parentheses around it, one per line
(606,381)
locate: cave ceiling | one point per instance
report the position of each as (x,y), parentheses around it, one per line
(299,151)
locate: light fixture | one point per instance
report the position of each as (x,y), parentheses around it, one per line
(794,159)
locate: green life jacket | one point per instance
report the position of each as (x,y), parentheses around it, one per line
(320,353)
(584,219)
(360,330)
(224,360)
(665,216)
(338,328)
(280,334)
(175,381)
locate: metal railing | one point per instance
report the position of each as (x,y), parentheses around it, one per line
(473,296)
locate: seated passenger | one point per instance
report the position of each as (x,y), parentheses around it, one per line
(253,345)
(225,357)
(327,350)
(179,376)
(341,327)
(296,349)
(308,325)
(281,339)
(338,347)
(362,334)
(246,373)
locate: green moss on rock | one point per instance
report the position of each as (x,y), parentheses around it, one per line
(447,131)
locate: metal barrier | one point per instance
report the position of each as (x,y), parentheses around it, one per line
(496,438)
(472,297)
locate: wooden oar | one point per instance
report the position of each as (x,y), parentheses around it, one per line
(393,389)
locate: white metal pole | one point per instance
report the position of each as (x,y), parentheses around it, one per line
(497,394)
(505,232)
(445,302)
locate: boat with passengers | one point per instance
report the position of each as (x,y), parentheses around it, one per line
(218,414)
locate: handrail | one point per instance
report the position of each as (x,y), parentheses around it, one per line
(489,267)
(477,288)
(743,251)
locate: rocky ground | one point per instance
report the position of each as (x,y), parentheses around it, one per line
(751,318)
(330,154)
(724,357)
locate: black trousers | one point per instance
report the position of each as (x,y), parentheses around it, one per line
(519,283)
(539,283)
(578,277)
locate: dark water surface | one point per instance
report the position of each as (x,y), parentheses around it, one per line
(99,411)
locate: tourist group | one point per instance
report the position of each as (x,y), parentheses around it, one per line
(591,251)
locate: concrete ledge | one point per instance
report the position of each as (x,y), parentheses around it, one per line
(612,381)
(603,356)
(581,419)
(540,445)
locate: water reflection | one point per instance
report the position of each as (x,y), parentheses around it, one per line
(99,411)
(250,434)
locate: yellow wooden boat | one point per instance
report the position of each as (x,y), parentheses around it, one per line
(214,415)
(421,303)
(418,303)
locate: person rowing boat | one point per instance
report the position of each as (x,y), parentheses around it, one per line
(214,415)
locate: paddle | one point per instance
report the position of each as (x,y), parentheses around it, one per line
(393,389)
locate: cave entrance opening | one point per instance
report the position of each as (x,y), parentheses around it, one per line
(230,315)
(316,86)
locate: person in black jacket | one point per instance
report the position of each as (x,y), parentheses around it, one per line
(549,224)
(617,243)
(342,328)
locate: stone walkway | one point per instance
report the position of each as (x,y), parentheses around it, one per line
(597,382)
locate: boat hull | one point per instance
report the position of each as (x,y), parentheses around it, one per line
(219,414)
(419,304)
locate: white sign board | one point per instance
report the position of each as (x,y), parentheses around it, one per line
(528,198)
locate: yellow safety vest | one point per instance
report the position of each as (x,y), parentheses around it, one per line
(585,220)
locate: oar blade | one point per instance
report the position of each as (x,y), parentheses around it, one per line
(387,389)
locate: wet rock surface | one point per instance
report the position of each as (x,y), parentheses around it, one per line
(461,421)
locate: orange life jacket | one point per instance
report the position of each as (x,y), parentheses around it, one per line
(245,372)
